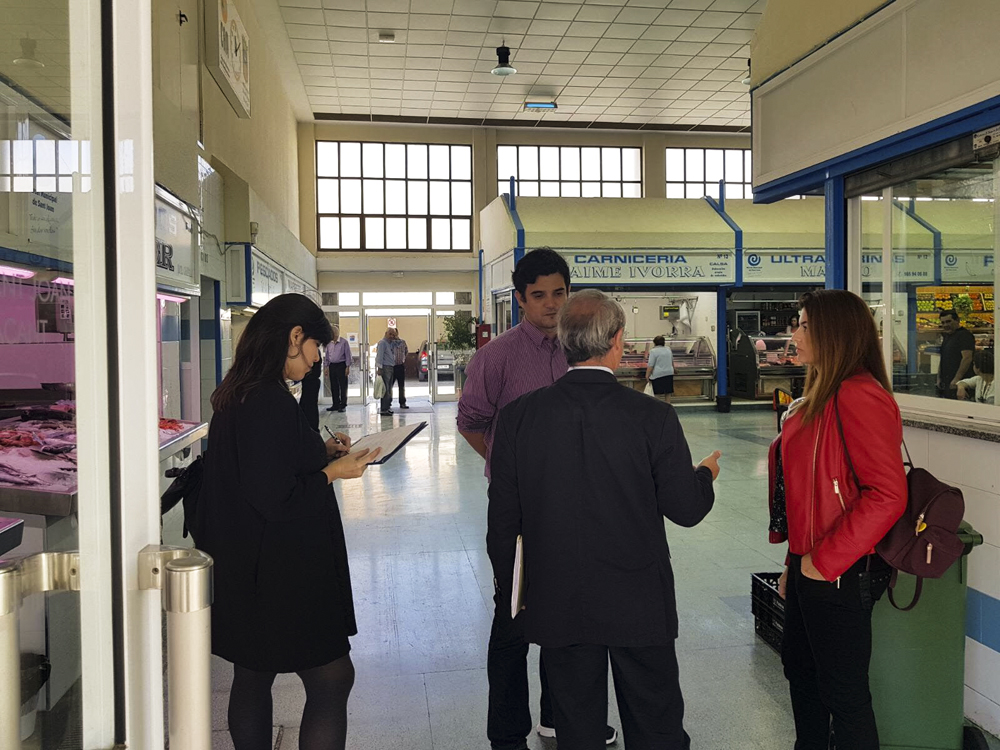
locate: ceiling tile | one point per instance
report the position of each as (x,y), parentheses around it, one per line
(536,41)
(673,17)
(578,44)
(345,18)
(566,56)
(691,4)
(558,11)
(637,15)
(389,6)
(467,39)
(673,61)
(603,58)
(304,31)
(509,25)
(614,45)
(308,58)
(587,29)
(633,58)
(735,36)
(549,28)
(720,50)
(598,13)
(625,31)
(427,21)
(468,23)
(698,35)
(310,45)
(302,16)
(649,46)
(515,9)
(440,6)
(560,69)
(716,20)
(534,55)
(746,21)
(469,7)
(344,4)
(662,33)
(341,34)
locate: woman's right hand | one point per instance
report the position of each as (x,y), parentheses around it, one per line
(351,466)
(783,582)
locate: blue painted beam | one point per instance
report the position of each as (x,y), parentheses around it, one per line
(836,234)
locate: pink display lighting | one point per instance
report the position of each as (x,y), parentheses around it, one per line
(63,281)
(17,273)
(168,298)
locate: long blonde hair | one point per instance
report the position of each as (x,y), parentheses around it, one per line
(844,340)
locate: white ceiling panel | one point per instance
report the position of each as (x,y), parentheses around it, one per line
(655,63)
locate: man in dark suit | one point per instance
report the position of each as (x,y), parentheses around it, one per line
(585,470)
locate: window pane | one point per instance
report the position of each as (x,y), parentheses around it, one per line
(373,197)
(611,163)
(395,234)
(747,166)
(327,197)
(675,164)
(417,192)
(735,191)
(326,159)
(590,159)
(694,164)
(713,165)
(612,190)
(570,162)
(440,234)
(417,234)
(45,157)
(374,234)
(632,164)
(632,190)
(439,198)
(395,160)
(694,190)
(734,165)
(350,159)
(506,164)
(549,156)
(571,190)
(527,162)
(444,298)
(461,234)
(329,233)
(350,196)
(439,156)
(461,162)
(675,189)
(591,190)
(503,188)
(528,189)
(349,299)
(461,199)
(395,197)
(550,189)
(416,161)
(712,189)
(373,159)
(351,230)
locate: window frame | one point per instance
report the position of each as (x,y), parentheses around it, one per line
(621,182)
(746,182)
(428,217)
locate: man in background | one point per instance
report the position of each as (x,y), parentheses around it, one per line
(338,363)
(385,367)
(957,347)
(585,470)
(400,350)
(518,361)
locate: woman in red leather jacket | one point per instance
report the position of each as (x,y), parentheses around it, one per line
(833,520)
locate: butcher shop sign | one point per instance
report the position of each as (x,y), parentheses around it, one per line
(629,267)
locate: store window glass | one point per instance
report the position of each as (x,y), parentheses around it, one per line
(571,171)
(943,277)
(393,196)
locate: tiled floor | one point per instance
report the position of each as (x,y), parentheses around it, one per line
(416,532)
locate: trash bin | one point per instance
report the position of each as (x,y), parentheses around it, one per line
(918,663)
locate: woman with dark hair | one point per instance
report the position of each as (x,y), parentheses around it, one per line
(268,516)
(660,369)
(838,485)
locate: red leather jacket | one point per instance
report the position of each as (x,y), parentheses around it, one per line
(827,514)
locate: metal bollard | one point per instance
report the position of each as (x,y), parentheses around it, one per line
(185,577)
(10,656)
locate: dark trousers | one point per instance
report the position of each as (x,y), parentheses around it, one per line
(826,650)
(309,400)
(386,373)
(399,375)
(338,384)
(647,685)
(508,721)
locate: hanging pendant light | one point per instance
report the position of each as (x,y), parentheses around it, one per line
(28,58)
(503,68)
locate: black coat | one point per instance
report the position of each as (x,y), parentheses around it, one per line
(309,400)
(269,518)
(585,470)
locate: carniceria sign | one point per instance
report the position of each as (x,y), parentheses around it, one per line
(629,267)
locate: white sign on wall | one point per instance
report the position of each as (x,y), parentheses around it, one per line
(649,267)
(176,257)
(967,265)
(228,53)
(907,266)
(266,279)
(778,266)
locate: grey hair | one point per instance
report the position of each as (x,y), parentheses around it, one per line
(587,323)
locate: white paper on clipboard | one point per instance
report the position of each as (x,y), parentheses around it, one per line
(389,441)
(517,587)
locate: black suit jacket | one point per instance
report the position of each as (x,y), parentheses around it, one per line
(585,470)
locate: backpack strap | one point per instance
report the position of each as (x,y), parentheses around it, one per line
(916,594)
(843,441)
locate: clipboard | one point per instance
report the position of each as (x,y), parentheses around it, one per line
(517,585)
(390,441)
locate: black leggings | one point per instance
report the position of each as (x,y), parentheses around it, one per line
(324,719)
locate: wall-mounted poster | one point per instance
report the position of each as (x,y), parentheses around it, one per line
(228,53)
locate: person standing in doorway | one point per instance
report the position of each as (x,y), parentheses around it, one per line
(660,369)
(400,351)
(518,361)
(385,367)
(957,347)
(338,362)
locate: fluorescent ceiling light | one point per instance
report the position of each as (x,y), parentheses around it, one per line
(540,105)
(387,37)
(17,273)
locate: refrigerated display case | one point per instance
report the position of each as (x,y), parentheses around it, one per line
(759,364)
(694,366)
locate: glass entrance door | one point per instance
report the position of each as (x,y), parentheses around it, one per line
(412,349)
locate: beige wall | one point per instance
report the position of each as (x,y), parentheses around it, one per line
(791,29)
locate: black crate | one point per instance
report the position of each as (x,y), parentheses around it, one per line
(768,608)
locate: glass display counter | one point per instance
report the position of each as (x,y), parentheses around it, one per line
(759,364)
(694,366)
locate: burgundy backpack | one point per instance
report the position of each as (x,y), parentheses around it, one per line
(924,541)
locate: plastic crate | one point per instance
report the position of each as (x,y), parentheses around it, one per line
(768,608)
